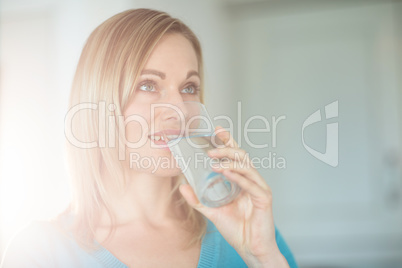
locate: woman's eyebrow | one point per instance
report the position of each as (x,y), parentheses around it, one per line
(163,75)
(191,73)
(154,72)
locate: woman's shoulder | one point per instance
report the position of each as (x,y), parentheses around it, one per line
(44,243)
(217,252)
(226,255)
(284,249)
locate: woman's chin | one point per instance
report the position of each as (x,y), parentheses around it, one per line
(157,172)
(167,172)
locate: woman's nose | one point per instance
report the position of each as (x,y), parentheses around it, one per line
(174,111)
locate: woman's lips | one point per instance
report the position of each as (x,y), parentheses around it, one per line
(161,138)
(168,132)
(159,141)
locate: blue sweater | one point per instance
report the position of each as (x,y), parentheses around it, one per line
(41,244)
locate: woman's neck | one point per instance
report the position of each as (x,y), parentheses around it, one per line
(146,198)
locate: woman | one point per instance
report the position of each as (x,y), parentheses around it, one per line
(129,215)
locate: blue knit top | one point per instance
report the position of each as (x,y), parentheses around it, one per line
(42,244)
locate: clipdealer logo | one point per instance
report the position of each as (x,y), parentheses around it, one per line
(116,126)
(330,156)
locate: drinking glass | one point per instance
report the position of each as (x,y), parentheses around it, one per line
(189,133)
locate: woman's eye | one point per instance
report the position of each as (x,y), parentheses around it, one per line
(190,89)
(147,87)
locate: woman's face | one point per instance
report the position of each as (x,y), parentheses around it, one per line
(169,77)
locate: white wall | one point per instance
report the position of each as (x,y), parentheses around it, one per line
(296,57)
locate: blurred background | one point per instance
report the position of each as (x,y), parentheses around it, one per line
(276,59)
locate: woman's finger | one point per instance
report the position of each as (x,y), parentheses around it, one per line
(235,154)
(191,198)
(250,173)
(225,136)
(262,196)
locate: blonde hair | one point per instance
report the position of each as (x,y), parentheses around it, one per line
(108,69)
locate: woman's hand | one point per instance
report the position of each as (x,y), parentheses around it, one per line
(246,223)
